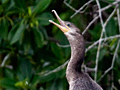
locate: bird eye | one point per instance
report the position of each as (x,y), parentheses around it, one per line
(68,25)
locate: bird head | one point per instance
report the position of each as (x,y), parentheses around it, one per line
(68,28)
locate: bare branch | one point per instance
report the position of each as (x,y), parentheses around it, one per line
(5,59)
(110,5)
(110,17)
(113,60)
(69,5)
(55,70)
(63,46)
(95,43)
(118,16)
(79,10)
(115,53)
(90,25)
(87,69)
(103,31)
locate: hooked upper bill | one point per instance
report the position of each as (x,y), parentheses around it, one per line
(62,25)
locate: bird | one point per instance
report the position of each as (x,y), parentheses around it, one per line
(77,79)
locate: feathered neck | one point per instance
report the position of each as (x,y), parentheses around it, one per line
(77,55)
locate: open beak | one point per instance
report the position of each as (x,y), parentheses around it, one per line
(62,25)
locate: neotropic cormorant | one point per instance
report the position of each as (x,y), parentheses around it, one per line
(77,79)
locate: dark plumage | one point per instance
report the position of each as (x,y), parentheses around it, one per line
(77,79)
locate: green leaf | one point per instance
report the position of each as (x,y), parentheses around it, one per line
(1,9)
(63,41)
(35,80)
(49,57)
(26,41)
(44,18)
(18,33)
(113,44)
(4,28)
(26,70)
(102,53)
(111,28)
(8,73)
(57,51)
(53,86)
(38,37)
(90,55)
(44,31)
(41,6)
(95,33)
(21,5)
(48,77)
(9,7)
(12,32)
(7,83)
(3,1)
(118,61)
(23,84)
(111,1)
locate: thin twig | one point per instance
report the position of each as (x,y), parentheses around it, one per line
(95,43)
(55,70)
(7,66)
(103,31)
(69,6)
(105,1)
(63,46)
(110,5)
(5,59)
(91,46)
(113,60)
(106,37)
(90,25)
(87,69)
(118,16)
(108,19)
(81,8)
(115,53)
(112,86)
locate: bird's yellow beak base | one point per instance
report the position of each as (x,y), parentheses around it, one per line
(62,25)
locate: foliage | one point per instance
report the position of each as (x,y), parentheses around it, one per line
(28,54)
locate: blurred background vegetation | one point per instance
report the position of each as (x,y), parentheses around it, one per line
(28,49)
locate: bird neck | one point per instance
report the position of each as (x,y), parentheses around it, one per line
(77,55)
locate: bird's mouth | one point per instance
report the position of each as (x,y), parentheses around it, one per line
(62,25)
